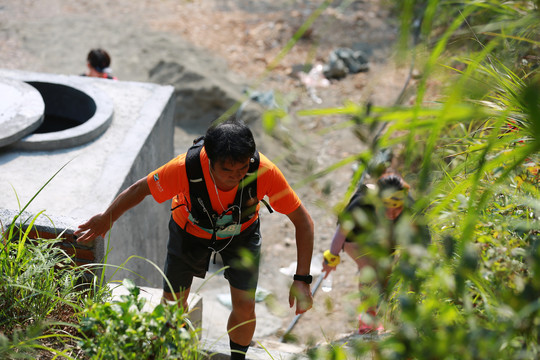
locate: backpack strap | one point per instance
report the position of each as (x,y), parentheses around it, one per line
(201,208)
(249,186)
(246,196)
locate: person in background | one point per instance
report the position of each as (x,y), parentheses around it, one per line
(392,193)
(98,62)
(215,189)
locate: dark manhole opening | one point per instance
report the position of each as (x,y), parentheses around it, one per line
(65,107)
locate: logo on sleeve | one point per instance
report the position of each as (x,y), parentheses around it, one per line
(156,179)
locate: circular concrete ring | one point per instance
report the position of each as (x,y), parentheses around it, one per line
(96,102)
(21,110)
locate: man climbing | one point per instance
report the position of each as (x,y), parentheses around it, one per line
(215,189)
(371,208)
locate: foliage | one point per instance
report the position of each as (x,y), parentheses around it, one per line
(471,156)
(43,294)
(40,289)
(42,300)
(36,279)
(123,330)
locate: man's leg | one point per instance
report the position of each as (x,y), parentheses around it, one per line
(241,324)
(243,275)
(180,297)
(352,249)
(367,321)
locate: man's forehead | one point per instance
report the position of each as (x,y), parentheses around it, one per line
(232,164)
(393,193)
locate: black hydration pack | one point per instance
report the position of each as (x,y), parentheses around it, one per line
(245,202)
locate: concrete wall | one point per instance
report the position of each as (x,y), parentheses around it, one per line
(61,227)
(147,224)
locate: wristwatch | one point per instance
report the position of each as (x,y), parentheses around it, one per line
(305,278)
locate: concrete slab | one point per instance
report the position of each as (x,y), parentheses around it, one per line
(153,298)
(211,318)
(138,140)
(220,350)
(21,110)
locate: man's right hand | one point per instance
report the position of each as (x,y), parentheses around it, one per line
(300,292)
(327,269)
(97,226)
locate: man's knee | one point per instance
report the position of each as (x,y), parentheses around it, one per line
(180,298)
(247,308)
(243,304)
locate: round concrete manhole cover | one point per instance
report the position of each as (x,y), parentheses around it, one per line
(21,110)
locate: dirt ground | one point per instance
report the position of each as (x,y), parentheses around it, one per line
(244,40)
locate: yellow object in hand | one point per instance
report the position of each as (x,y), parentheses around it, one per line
(331,259)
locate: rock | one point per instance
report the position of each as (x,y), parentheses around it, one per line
(344,61)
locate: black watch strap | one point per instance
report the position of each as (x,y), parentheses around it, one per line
(305,278)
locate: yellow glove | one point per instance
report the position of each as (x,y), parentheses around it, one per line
(331,259)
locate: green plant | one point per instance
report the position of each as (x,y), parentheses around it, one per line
(40,294)
(123,330)
(41,291)
(43,295)
(472,158)
(37,279)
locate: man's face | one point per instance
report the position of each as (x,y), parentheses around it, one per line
(393,202)
(227,174)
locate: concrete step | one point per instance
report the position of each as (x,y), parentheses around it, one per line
(219,350)
(217,346)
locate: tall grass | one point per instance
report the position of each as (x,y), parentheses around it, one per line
(40,294)
(41,291)
(51,308)
(472,156)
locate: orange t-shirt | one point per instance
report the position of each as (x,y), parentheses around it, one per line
(171,182)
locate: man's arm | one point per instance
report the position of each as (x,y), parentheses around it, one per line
(99,224)
(304,246)
(335,248)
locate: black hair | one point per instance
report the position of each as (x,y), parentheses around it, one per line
(99,59)
(391,180)
(230,140)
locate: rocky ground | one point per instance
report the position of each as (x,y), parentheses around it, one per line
(212,51)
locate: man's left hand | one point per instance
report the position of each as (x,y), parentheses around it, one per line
(302,293)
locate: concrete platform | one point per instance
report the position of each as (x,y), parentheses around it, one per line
(153,298)
(210,321)
(138,140)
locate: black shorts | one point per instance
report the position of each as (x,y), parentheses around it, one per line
(189,256)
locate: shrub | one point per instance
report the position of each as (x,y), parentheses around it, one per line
(40,293)
(123,330)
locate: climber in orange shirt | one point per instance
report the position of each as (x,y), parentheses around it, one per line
(216,188)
